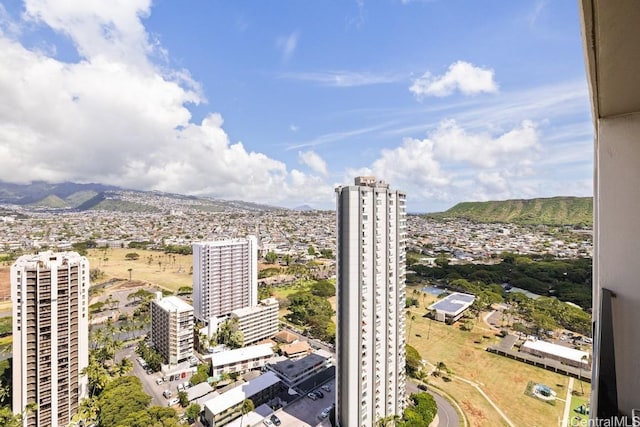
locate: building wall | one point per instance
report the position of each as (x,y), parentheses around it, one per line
(616,247)
(49,293)
(259,322)
(371,296)
(225,276)
(240,366)
(172,331)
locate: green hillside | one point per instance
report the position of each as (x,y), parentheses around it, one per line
(551,211)
(79,197)
(51,201)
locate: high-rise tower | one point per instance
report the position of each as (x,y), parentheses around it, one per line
(371,234)
(49,292)
(225,276)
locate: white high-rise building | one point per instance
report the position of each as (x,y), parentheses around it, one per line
(225,277)
(172,328)
(371,239)
(50,292)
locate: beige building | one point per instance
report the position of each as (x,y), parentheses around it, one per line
(258,322)
(172,328)
(49,292)
(371,240)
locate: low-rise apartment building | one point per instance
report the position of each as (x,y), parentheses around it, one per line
(240,360)
(258,322)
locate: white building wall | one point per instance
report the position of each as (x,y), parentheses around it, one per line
(370,269)
(225,276)
(616,247)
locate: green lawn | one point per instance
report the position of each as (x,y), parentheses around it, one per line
(502,379)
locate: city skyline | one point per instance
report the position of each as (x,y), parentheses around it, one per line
(260,102)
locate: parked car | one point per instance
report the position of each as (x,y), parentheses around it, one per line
(180,387)
(326,388)
(275,420)
(267,422)
(173,401)
(167,393)
(325,413)
(159,381)
(422,387)
(186,385)
(312,396)
(319,394)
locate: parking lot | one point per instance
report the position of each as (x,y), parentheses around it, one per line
(149,381)
(305,412)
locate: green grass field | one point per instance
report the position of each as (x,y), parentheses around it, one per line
(502,379)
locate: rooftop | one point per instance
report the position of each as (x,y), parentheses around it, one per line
(294,368)
(557,350)
(240,354)
(453,304)
(236,395)
(173,303)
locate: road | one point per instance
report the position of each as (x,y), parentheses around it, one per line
(312,342)
(148,381)
(447,415)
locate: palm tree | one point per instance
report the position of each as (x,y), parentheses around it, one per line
(440,367)
(584,359)
(247,406)
(130,270)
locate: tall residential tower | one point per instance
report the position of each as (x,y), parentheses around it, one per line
(225,277)
(50,292)
(371,235)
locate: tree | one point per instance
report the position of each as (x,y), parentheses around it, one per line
(441,367)
(121,397)
(311,251)
(130,270)
(183,397)
(413,360)
(247,406)
(132,256)
(193,411)
(271,257)
(584,359)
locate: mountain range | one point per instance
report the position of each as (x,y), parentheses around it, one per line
(573,211)
(67,195)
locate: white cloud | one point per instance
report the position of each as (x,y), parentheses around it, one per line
(287,45)
(462,76)
(453,164)
(343,78)
(116,117)
(314,161)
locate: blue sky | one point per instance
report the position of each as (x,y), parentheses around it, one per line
(280,101)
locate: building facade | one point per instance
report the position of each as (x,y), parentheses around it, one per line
(371,239)
(172,328)
(240,360)
(225,276)
(258,322)
(50,292)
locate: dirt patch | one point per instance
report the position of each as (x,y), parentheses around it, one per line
(478,416)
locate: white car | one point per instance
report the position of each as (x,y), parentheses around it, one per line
(267,422)
(173,401)
(325,413)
